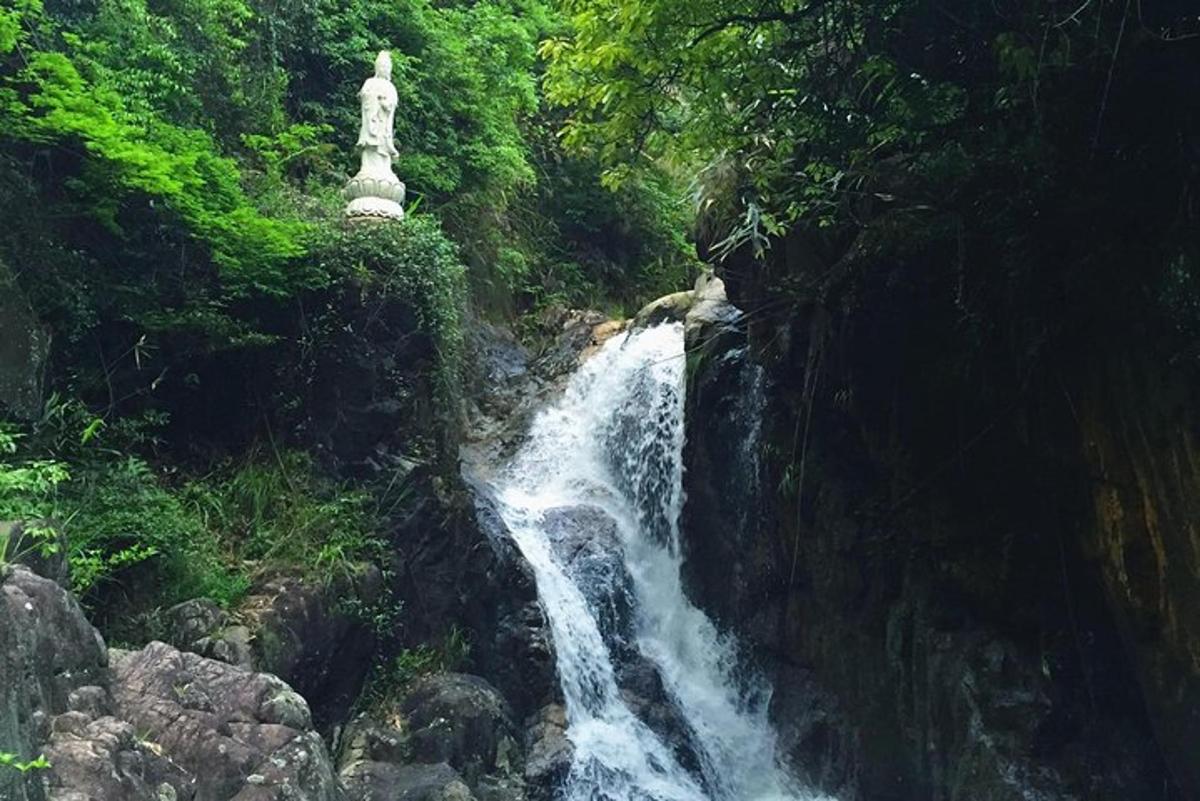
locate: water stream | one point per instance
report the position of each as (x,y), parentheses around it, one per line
(660,707)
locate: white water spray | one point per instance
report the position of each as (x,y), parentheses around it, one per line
(604,465)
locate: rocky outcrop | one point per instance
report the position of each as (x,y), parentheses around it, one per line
(48,650)
(1138,432)
(303,631)
(242,735)
(154,724)
(460,568)
(669,308)
(463,721)
(104,759)
(935,631)
(368,781)
(548,752)
(451,736)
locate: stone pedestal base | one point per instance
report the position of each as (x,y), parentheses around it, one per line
(375,197)
(374,208)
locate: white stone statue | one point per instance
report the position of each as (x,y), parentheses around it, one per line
(375,192)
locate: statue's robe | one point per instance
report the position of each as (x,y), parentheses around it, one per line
(379,101)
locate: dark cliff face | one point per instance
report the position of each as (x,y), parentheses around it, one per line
(967,583)
(1138,427)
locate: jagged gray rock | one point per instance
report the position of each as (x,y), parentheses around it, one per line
(294,628)
(377,781)
(244,736)
(103,759)
(154,725)
(464,721)
(47,651)
(548,752)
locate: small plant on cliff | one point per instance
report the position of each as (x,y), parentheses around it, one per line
(8,760)
(391,677)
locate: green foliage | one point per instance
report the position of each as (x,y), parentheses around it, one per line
(178,536)
(412,261)
(28,490)
(390,678)
(122,514)
(821,112)
(273,510)
(8,760)
(82,96)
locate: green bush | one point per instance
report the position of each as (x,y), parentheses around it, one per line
(412,261)
(123,517)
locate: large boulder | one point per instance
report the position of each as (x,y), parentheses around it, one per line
(671,308)
(47,651)
(244,736)
(548,752)
(300,630)
(382,781)
(588,545)
(368,738)
(464,721)
(101,758)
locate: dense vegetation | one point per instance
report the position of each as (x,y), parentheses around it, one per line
(966,235)
(170,177)
(170,170)
(965,213)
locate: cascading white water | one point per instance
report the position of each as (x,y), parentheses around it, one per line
(604,465)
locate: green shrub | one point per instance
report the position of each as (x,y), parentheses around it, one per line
(412,261)
(28,490)
(172,535)
(122,513)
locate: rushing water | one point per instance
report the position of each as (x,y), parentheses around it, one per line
(593,501)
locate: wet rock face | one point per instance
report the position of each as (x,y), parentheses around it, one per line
(724,440)
(586,541)
(548,752)
(468,570)
(956,647)
(1139,438)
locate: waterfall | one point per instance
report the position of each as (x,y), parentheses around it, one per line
(592,500)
